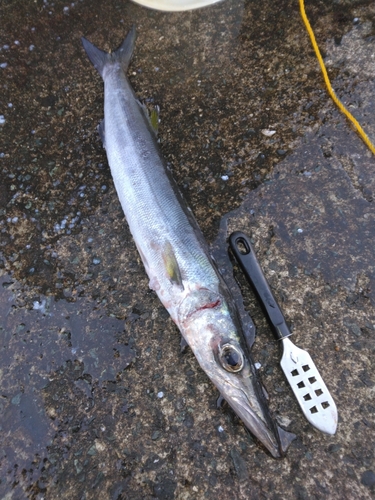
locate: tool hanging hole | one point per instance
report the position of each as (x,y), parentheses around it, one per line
(314,409)
(242,246)
(325,405)
(300,385)
(295,373)
(319,392)
(306,368)
(312,380)
(307,397)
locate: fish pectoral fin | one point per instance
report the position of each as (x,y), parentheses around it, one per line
(171,265)
(220,401)
(183,345)
(152,117)
(101,130)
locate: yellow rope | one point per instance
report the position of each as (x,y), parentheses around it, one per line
(328,83)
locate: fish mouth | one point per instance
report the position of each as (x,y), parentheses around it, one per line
(261,431)
(231,369)
(275,439)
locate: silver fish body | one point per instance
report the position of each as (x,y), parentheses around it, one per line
(173,250)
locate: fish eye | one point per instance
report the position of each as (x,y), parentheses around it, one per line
(231,358)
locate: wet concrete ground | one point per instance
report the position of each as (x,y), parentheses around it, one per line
(96,400)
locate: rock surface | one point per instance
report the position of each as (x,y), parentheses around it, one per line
(96,399)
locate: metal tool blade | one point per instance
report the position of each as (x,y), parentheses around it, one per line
(309,388)
(303,376)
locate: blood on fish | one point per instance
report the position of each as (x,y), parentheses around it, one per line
(210,305)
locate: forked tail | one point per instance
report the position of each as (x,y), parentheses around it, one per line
(122,55)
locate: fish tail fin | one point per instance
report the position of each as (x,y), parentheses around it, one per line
(100,58)
(124,53)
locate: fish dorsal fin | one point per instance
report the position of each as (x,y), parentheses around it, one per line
(171,265)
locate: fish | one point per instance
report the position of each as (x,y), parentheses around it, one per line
(174,251)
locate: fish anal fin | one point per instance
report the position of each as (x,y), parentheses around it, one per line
(171,265)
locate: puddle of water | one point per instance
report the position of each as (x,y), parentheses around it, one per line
(36,347)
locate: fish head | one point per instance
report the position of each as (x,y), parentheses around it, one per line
(213,334)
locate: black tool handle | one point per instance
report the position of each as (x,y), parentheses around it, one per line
(245,256)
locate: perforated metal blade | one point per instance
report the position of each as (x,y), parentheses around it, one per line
(308,387)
